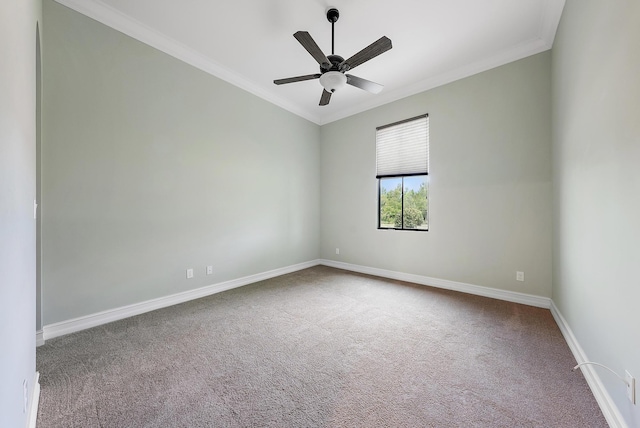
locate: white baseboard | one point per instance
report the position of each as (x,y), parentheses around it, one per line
(81,323)
(607,405)
(35,399)
(494,293)
(70,326)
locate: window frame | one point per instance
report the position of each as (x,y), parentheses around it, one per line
(424,174)
(380,227)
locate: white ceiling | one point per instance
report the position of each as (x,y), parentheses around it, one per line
(249,43)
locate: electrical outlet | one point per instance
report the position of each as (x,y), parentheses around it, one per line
(209,270)
(631,386)
(189,273)
(337,250)
(519,276)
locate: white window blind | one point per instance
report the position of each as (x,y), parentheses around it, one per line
(402,148)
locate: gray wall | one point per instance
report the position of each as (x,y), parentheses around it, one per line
(490,183)
(596,153)
(18,20)
(150,166)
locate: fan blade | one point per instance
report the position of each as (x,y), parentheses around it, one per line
(310,45)
(325,98)
(376,48)
(365,84)
(297,79)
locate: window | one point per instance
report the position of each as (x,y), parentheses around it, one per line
(402,170)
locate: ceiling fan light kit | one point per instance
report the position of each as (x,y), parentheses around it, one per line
(333,67)
(333,80)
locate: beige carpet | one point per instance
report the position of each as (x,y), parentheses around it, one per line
(319,348)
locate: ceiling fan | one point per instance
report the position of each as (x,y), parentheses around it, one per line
(333,67)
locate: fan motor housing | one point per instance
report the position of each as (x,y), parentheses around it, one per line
(336,60)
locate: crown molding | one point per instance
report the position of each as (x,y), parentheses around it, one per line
(519,52)
(550,20)
(115,19)
(552,11)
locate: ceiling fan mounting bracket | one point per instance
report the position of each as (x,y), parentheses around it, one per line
(333,15)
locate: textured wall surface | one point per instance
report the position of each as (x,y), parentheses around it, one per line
(18,24)
(151,166)
(490,183)
(596,152)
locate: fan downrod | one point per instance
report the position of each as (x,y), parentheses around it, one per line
(332,17)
